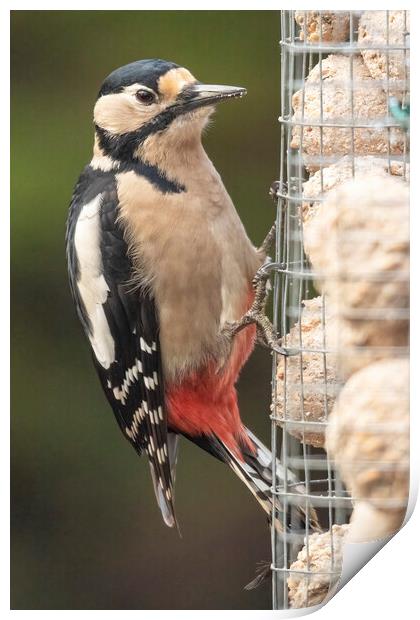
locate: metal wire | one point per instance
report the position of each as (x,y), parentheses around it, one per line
(319,483)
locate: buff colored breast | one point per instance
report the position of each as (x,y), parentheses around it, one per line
(193,252)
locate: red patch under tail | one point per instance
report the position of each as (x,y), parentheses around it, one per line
(205,403)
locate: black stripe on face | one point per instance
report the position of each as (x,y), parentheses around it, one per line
(122,146)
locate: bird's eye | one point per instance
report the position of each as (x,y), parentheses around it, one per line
(145,96)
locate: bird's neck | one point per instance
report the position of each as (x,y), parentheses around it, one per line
(173,154)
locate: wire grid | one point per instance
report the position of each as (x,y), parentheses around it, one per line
(294,279)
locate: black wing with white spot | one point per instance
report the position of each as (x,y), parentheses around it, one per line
(121,323)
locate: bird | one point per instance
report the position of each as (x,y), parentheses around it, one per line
(163,276)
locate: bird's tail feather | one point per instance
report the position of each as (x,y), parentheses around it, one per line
(167,514)
(256,473)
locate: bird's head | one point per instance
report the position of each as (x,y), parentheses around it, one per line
(153,98)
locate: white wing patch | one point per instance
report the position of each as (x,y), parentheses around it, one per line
(91,283)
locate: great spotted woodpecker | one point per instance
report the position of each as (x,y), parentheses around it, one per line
(161,271)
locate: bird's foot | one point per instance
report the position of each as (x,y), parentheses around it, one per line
(266,334)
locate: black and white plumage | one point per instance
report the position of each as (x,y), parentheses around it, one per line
(120,322)
(255,470)
(160,268)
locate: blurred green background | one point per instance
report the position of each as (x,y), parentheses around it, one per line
(86,532)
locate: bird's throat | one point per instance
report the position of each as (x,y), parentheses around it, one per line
(175,152)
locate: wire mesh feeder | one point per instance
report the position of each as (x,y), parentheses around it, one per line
(340,302)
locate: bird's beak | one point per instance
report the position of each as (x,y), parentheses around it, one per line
(200,95)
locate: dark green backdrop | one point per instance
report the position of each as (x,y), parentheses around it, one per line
(86,532)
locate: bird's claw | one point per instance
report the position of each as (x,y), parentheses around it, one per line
(268,241)
(266,334)
(275,190)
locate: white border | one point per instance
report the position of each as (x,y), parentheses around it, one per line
(388,585)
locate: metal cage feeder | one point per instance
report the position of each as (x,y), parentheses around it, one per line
(305,45)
